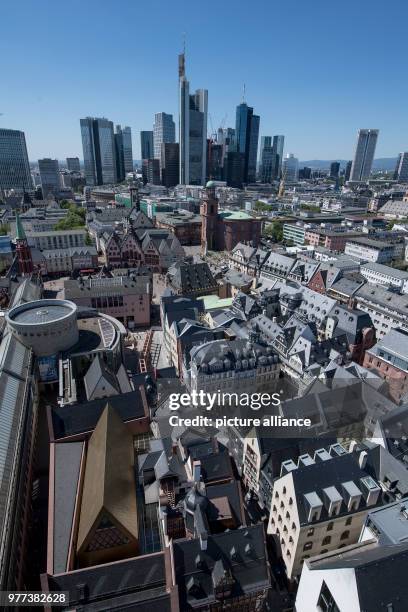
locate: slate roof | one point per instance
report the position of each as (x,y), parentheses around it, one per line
(380,574)
(137,584)
(75,419)
(188,277)
(239,554)
(97,373)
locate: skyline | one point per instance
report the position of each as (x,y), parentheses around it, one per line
(317,97)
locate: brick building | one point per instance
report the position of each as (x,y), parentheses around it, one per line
(222,231)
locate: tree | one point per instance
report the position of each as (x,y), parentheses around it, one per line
(275,231)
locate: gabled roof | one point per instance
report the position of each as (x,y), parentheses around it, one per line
(98,373)
(109,483)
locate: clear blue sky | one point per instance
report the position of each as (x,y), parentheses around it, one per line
(314,70)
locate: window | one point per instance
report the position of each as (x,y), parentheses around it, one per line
(308,546)
(326,601)
(310,531)
(330,526)
(345,535)
(326,540)
(348,521)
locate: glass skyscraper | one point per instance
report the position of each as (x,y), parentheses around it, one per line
(364,155)
(146,144)
(247,134)
(123,152)
(164,130)
(14,165)
(98,144)
(192,131)
(50,176)
(277,156)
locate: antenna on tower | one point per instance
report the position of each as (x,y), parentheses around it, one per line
(243,93)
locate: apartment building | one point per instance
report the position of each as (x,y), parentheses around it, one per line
(378,274)
(367,249)
(320,504)
(389,358)
(387,309)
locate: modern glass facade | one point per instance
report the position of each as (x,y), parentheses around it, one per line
(277,156)
(14,165)
(247,135)
(146,144)
(164,130)
(98,144)
(364,155)
(50,176)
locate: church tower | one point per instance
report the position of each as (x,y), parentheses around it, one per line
(23,251)
(209,219)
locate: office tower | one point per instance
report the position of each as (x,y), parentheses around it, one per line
(364,155)
(151,171)
(305,173)
(146,144)
(123,152)
(401,169)
(164,130)
(347,171)
(98,144)
(169,164)
(14,165)
(334,170)
(234,169)
(50,176)
(290,168)
(266,159)
(277,156)
(214,160)
(73,164)
(247,134)
(192,130)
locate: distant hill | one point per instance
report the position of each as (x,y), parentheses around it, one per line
(382,163)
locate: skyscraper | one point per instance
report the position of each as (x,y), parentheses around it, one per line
(347,171)
(192,130)
(98,144)
(247,134)
(164,130)
(14,165)
(73,164)
(277,156)
(266,159)
(334,170)
(123,152)
(291,168)
(146,144)
(401,169)
(364,155)
(169,164)
(50,176)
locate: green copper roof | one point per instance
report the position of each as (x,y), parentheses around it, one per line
(210,184)
(20,233)
(235,215)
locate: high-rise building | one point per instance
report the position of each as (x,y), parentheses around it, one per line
(73,164)
(226,138)
(234,168)
(192,130)
(214,160)
(169,164)
(50,176)
(364,155)
(123,152)
(401,169)
(164,130)
(247,134)
(151,171)
(291,168)
(347,171)
(14,165)
(277,156)
(266,159)
(98,143)
(334,170)
(146,144)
